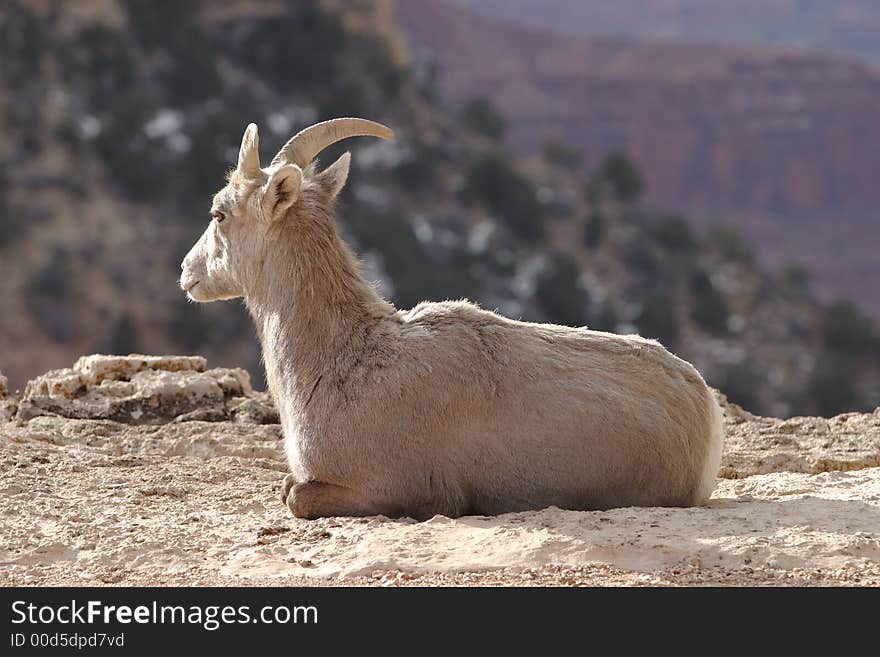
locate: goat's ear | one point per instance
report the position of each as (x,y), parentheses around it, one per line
(333,178)
(281,191)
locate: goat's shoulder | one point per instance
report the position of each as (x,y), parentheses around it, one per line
(457,327)
(459,313)
(438,310)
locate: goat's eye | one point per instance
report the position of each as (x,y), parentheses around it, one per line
(218,216)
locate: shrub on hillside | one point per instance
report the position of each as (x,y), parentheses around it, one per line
(658,319)
(730,244)
(560,294)
(595,229)
(52,296)
(509,196)
(563,156)
(480,115)
(620,176)
(846,330)
(742,385)
(708,305)
(674,233)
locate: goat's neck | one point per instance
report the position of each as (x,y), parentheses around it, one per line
(311,308)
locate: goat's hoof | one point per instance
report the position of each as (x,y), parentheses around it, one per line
(288,483)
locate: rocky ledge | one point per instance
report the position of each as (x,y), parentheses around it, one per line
(8,403)
(139,389)
(158,470)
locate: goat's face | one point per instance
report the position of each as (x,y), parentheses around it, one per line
(217,266)
(223,262)
(212,269)
(228,257)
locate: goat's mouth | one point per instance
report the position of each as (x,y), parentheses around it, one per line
(189,288)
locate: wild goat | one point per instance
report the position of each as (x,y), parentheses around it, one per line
(445,408)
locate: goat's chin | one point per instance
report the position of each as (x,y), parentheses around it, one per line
(199,296)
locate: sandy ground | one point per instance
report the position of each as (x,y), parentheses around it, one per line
(86,502)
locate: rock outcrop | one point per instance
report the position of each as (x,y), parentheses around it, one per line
(761,445)
(146,470)
(139,389)
(8,403)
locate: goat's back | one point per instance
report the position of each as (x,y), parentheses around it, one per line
(452,409)
(549,414)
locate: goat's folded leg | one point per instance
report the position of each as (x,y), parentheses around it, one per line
(315,499)
(288,483)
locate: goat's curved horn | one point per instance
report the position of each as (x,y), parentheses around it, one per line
(306,144)
(248,154)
